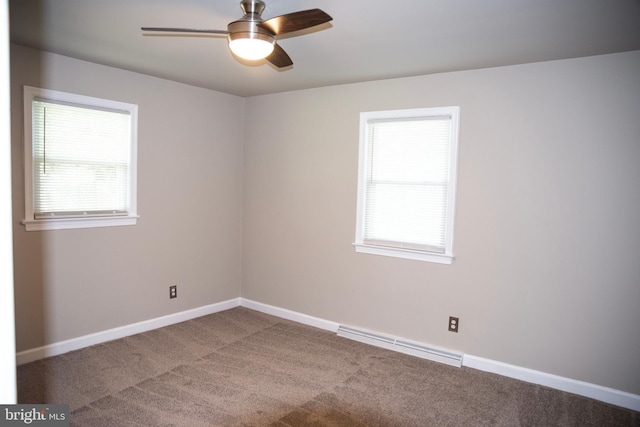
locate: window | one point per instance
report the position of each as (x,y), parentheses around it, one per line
(80,161)
(407,183)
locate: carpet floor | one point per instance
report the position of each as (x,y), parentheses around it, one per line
(244,368)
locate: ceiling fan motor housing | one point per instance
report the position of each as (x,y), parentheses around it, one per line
(252,7)
(247,27)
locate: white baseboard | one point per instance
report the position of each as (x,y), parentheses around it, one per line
(290,315)
(593,391)
(61,347)
(581,388)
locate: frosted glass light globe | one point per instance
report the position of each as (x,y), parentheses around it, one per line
(251,48)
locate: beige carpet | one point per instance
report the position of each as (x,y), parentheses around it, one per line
(243,368)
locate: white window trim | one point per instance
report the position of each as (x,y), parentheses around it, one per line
(447,257)
(32,224)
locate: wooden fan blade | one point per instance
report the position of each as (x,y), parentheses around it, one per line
(295,21)
(183,30)
(279,57)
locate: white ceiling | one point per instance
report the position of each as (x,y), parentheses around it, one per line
(367,40)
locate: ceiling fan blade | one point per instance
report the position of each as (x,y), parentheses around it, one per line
(295,21)
(279,57)
(183,30)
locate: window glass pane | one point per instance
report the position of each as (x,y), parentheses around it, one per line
(407,214)
(406,186)
(81,158)
(410,150)
(406,183)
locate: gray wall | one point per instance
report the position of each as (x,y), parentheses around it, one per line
(8,392)
(547,237)
(69,283)
(257,197)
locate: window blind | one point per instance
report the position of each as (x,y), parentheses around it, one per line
(406,182)
(81,160)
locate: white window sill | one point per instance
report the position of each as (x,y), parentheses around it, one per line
(69,223)
(404,253)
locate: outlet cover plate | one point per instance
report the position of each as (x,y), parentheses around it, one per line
(454,323)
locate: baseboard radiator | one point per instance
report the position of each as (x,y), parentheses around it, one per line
(401,346)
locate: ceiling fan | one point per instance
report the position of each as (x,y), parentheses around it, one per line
(252,38)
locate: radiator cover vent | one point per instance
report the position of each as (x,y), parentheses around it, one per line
(401,346)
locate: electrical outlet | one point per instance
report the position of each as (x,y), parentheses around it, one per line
(454,323)
(173,291)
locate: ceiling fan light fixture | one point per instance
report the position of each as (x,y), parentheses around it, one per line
(251,46)
(253,38)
